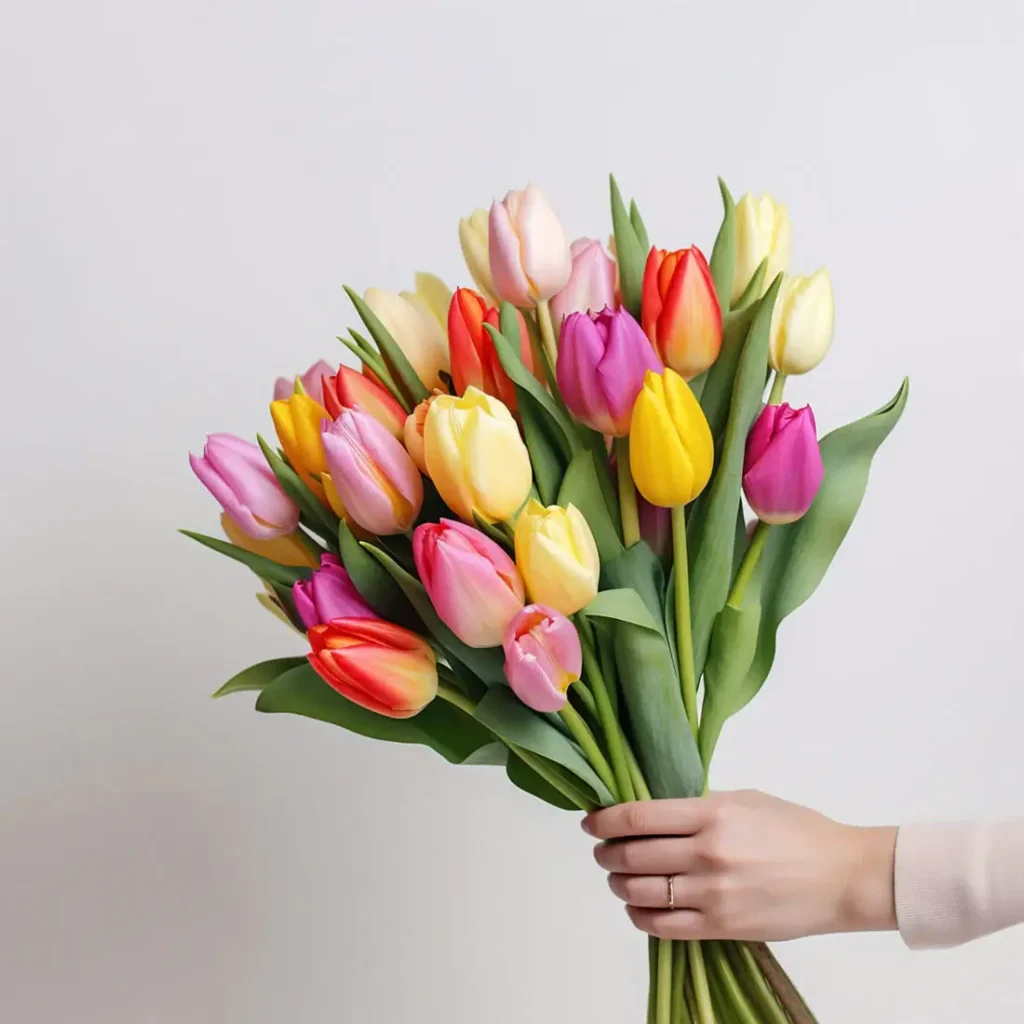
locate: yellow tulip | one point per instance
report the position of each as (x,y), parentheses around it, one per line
(474,238)
(432,296)
(762,232)
(416,330)
(557,556)
(802,323)
(475,456)
(286,550)
(671,451)
(297,420)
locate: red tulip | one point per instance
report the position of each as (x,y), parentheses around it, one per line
(474,360)
(375,664)
(349,389)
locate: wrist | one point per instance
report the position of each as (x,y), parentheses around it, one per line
(867,902)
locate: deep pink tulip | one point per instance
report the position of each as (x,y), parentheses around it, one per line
(329,594)
(591,285)
(782,470)
(473,584)
(312,382)
(543,657)
(375,477)
(602,359)
(237,475)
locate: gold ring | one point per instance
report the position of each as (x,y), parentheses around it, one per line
(671,879)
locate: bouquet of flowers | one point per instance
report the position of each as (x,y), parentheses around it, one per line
(517,533)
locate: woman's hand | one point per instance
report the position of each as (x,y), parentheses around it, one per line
(744,866)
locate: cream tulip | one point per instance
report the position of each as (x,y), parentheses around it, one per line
(802,323)
(473,237)
(762,232)
(416,330)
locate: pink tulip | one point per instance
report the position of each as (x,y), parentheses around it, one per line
(602,359)
(237,475)
(529,253)
(474,586)
(591,285)
(311,382)
(782,470)
(376,479)
(542,657)
(329,594)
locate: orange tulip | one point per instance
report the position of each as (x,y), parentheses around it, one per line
(680,311)
(350,389)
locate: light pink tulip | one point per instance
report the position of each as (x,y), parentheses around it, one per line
(543,657)
(235,472)
(312,382)
(376,479)
(529,253)
(473,584)
(782,469)
(591,286)
(329,594)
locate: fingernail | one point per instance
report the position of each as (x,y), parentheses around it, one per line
(585,825)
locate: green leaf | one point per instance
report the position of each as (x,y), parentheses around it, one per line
(727,684)
(639,228)
(754,287)
(256,677)
(723,255)
(582,488)
(440,725)
(263,567)
(487,663)
(286,602)
(711,544)
(410,384)
(506,716)
(559,425)
(375,583)
(320,518)
(628,252)
(719,380)
(492,531)
(545,455)
(637,569)
(521,775)
(797,556)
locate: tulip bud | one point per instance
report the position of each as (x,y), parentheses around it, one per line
(802,323)
(543,657)
(297,420)
(602,360)
(475,456)
(671,451)
(473,237)
(474,360)
(591,286)
(529,253)
(329,594)
(680,310)
(349,389)
(474,586)
(416,330)
(763,232)
(431,296)
(782,468)
(557,556)
(377,481)
(235,472)
(375,664)
(284,387)
(286,550)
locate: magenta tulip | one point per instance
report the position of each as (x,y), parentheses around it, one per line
(329,594)
(235,472)
(602,359)
(312,382)
(591,284)
(473,584)
(782,470)
(375,477)
(543,657)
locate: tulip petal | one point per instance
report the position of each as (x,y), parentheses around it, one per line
(510,283)
(531,683)
(544,249)
(500,471)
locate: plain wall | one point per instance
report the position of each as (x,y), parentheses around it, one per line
(186,186)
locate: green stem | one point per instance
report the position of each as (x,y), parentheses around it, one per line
(585,738)
(663,1011)
(771,1010)
(699,977)
(735,995)
(652,988)
(635,774)
(606,716)
(547,332)
(455,696)
(684,637)
(679,1011)
(775,398)
(748,565)
(627,494)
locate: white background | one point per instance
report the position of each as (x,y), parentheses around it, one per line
(186,186)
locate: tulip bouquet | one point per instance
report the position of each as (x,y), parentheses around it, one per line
(518,535)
